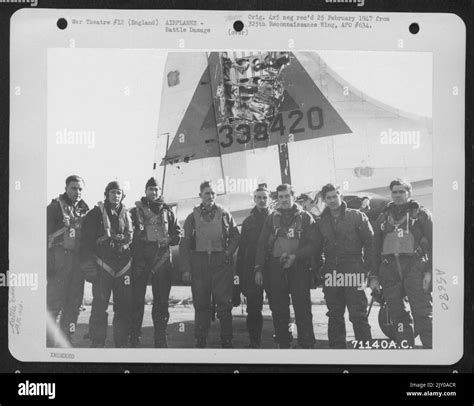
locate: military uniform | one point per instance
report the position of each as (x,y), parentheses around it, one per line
(315,261)
(346,242)
(207,235)
(289,231)
(65,281)
(106,259)
(155,230)
(403,252)
(250,233)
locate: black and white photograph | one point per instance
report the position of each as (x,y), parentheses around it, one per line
(277,190)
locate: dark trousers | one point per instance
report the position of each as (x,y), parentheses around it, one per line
(65,288)
(212,280)
(122,298)
(337,299)
(411,285)
(145,257)
(296,282)
(254,296)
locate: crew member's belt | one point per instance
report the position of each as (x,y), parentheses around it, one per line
(155,243)
(418,252)
(109,270)
(336,260)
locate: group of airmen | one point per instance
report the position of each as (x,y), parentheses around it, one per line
(277,252)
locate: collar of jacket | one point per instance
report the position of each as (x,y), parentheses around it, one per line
(327,211)
(294,210)
(155,206)
(158,201)
(410,205)
(203,209)
(65,197)
(256,212)
(111,209)
(81,204)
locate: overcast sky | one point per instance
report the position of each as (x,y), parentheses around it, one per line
(112,96)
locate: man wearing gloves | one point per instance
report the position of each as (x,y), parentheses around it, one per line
(285,246)
(403,264)
(106,261)
(155,230)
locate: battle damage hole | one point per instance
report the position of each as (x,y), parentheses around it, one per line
(414,28)
(238,25)
(62,23)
